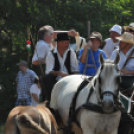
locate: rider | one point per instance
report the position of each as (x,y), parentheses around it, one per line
(60,62)
(91,52)
(126,49)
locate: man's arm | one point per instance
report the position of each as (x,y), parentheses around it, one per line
(85,52)
(59,73)
(70,33)
(127,72)
(35,97)
(39,55)
(39,61)
(32,75)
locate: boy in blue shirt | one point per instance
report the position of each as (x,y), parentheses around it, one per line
(89,55)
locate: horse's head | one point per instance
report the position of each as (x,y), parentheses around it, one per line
(109,81)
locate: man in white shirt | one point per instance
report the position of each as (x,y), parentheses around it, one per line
(42,46)
(60,62)
(126,49)
(112,43)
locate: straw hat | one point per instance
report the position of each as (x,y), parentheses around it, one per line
(131,26)
(116,28)
(127,38)
(80,42)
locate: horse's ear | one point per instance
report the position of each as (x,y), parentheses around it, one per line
(117,58)
(101,59)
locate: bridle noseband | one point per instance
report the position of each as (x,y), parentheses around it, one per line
(108,92)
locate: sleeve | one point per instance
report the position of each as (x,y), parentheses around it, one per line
(32,75)
(49,62)
(41,50)
(33,89)
(74,62)
(112,57)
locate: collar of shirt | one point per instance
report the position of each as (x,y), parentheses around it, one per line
(56,50)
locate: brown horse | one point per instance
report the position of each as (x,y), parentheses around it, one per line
(30,120)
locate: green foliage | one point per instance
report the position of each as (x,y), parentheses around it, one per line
(2,128)
(17,15)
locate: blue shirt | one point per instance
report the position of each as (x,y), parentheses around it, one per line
(91,70)
(24,83)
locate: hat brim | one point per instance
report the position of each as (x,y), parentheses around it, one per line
(125,27)
(94,37)
(61,39)
(120,39)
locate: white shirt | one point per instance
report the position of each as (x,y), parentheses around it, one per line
(123,57)
(110,47)
(34,90)
(50,62)
(41,51)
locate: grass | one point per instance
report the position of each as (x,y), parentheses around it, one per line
(2,128)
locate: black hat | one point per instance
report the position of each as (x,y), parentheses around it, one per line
(62,36)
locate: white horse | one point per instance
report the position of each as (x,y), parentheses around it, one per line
(105,89)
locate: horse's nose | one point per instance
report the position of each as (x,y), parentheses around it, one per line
(107,103)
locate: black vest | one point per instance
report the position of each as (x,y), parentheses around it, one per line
(67,62)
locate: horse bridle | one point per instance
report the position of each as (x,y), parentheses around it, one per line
(108,92)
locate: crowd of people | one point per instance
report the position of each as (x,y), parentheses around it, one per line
(54,58)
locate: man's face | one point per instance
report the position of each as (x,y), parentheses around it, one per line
(96,43)
(114,34)
(48,37)
(63,45)
(122,45)
(21,67)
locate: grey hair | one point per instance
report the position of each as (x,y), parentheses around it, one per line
(41,33)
